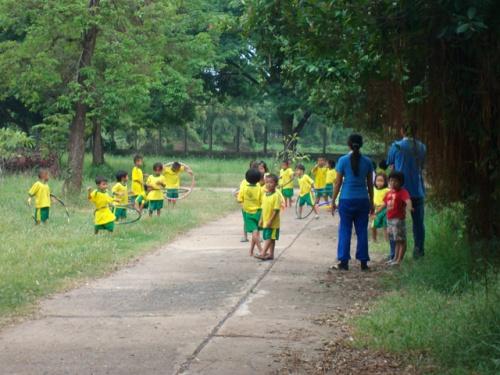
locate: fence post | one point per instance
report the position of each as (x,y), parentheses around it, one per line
(265,140)
(238,133)
(185,139)
(324,140)
(211,137)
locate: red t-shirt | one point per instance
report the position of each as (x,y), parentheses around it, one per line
(396,203)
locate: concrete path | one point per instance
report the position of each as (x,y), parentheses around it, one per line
(199,305)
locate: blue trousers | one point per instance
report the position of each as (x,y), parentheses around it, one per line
(417,217)
(353,211)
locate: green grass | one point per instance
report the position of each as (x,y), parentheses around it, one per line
(38,260)
(445,306)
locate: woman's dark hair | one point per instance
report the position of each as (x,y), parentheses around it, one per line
(396,175)
(263,163)
(252,176)
(120,175)
(383,164)
(384,177)
(355,142)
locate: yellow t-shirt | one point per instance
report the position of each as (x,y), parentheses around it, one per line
(156,189)
(379,195)
(331,176)
(172,179)
(320,177)
(286,178)
(137,181)
(103,213)
(41,191)
(305,185)
(120,192)
(263,188)
(271,202)
(251,197)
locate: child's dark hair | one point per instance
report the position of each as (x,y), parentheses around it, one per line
(100,179)
(355,142)
(383,164)
(252,176)
(120,175)
(301,167)
(176,165)
(286,161)
(384,176)
(157,166)
(273,177)
(397,175)
(331,163)
(42,171)
(137,158)
(263,163)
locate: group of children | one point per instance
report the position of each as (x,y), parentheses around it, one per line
(112,208)
(263,195)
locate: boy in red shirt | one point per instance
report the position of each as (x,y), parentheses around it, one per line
(397,202)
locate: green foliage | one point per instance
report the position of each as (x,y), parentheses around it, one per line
(441,306)
(14,143)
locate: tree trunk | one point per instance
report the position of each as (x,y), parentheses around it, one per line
(211,137)
(76,141)
(286,120)
(97,144)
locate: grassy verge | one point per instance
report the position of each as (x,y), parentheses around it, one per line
(38,260)
(444,307)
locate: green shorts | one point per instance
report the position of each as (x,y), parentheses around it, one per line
(288,192)
(271,234)
(320,192)
(120,212)
(380,220)
(155,205)
(141,200)
(305,199)
(329,190)
(41,214)
(172,193)
(108,226)
(251,221)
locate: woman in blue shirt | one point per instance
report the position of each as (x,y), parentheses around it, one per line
(354,176)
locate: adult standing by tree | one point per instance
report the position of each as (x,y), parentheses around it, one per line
(408,156)
(354,176)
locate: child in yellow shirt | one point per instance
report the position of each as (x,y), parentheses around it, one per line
(155,185)
(306,185)
(270,219)
(250,197)
(380,190)
(286,182)
(253,165)
(137,179)
(331,176)
(41,192)
(120,193)
(104,218)
(173,181)
(319,172)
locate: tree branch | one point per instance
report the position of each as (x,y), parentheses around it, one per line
(303,121)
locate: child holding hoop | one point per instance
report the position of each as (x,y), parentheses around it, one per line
(104,218)
(155,185)
(306,184)
(286,182)
(41,192)
(120,193)
(172,172)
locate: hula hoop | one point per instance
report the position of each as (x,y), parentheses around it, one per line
(183,191)
(306,209)
(133,218)
(61,202)
(281,185)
